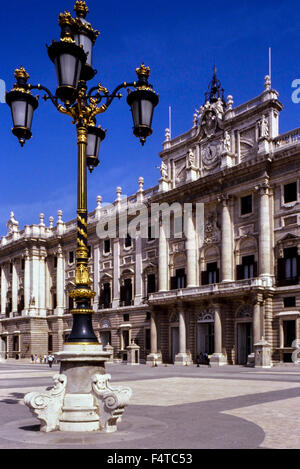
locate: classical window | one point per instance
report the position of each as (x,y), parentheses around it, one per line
(21,304)
(148,316)
(151,283)
(290,192)
(128,241)
(126,317)
(50,343)
(23,264)
(126,292)
(289,332)
(125,338)
(211,274)
(107,245)
(151,233)
(289,301)
(105,296)
(288,267)
(16,343)
(54,301)
(55,262)
(147,339)
(71,257)
(246,204)
(9,305)
(247,269)
(179,280)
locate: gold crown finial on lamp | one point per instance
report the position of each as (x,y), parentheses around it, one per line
(143,70)
(81,8)
(21,73)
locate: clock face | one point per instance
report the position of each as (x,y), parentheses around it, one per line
(210,154)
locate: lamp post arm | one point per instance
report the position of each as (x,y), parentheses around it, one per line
(69,111)
(114,95)
(109,97)
(50,95)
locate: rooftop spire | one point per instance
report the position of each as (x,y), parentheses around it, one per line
(215,89)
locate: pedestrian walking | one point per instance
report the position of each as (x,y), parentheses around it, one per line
(207,360)
(50,360)
(35,358)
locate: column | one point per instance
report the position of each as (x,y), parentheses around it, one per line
(154,357)
(35,277)
(256,323)
(116,274)
(218,358)
(138,271)
(163,283)
(26,282)
(281,333)
(3,289)
(60,283)
(264,230)
(226,242)
(96,275)
(182,358)
(153,332)
(191,249)
(14,287)
(182,332)
(42,284)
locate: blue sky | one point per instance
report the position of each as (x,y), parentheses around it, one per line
(180,42)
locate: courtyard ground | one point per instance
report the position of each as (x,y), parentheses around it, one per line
(171,408)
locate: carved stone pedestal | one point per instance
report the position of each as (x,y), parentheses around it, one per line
(183,359)
(192,174)
(227,160)
(164,184)
(218,359)
(82,399)
(154,359)
(262,354)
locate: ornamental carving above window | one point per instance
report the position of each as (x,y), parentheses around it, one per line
(206,315)
(105,324)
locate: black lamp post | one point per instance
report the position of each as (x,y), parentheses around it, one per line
(72,56)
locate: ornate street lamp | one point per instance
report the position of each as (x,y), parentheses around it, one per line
(94,138)
(22,105)
(142,102)
(72,56)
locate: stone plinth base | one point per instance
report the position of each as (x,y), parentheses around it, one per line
(182,359)
(164,184)
(227,160)
(251,360)
(82,399)
(262,354)
(154,359)
(218,359)
(192,174)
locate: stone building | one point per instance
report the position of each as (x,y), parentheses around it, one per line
(228,285)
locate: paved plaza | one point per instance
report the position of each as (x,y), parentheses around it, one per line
(171,407)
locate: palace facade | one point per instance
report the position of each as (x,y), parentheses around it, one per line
(228,286)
